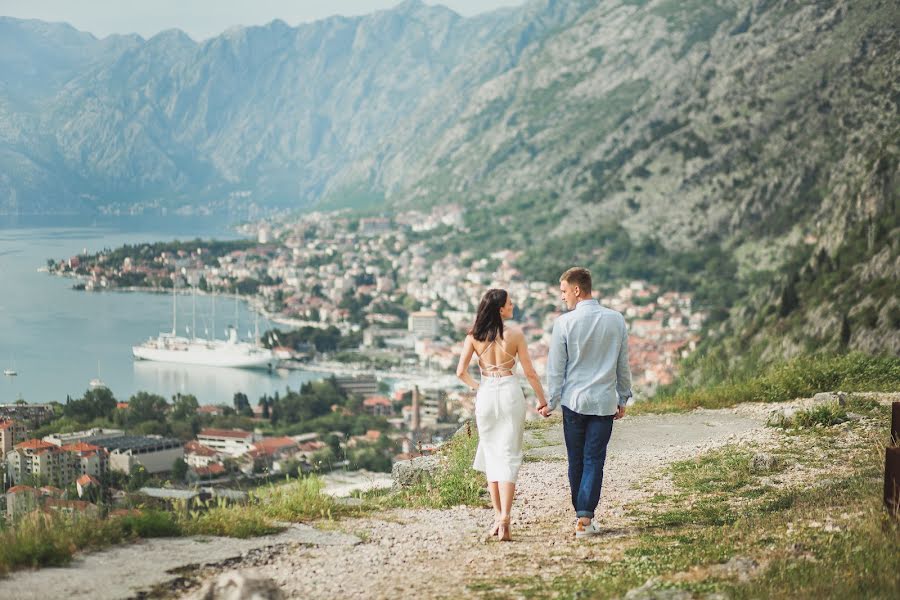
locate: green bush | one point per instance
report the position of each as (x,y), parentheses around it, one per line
(229,521)
(298,500)
(800,377)
(149,524)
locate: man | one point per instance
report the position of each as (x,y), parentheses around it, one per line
(587,372)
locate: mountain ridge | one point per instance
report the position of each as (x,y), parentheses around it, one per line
(736,141)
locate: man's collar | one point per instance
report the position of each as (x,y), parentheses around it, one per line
(586,302)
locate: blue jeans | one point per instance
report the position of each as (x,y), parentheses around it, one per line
(586,440)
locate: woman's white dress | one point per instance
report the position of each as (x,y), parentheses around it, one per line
(500,416)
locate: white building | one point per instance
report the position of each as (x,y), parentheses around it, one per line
(198,455)
(424,323)
(232,442)
(155,453)
(89,436)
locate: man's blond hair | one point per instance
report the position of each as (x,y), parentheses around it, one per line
(578,276)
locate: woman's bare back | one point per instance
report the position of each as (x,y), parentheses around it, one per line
(498,357)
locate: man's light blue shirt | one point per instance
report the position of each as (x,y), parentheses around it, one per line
(587,370)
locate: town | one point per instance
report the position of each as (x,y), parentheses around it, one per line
(375,299)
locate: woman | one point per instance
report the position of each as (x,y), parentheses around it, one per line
(499,402)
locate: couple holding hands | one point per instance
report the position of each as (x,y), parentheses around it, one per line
(587,373)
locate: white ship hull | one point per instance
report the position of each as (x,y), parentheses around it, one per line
(210,354)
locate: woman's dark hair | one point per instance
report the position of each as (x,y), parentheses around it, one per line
(488,323)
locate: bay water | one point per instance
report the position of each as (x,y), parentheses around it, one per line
(57,339)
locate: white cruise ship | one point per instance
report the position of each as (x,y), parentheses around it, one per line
(171,348)
(211,353)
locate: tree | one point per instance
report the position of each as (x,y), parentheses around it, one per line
(145,406)
(242,405)
(179,470)
(138,478)
(264,403)
(98,403)
(184,407)
(789,299)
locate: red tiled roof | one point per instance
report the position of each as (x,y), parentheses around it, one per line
(195,447)
(6,423)
(312,446)
(51,490)
(232,433)
(209,408)
(74,504)
(376,401)
(121,405)
(80,447)
(213,469)
(272,445)
(87,480)
(16,489)
(35,444)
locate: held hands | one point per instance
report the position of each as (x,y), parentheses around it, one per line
(544,410)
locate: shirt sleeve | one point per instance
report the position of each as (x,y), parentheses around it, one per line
(556,365)
(623,371)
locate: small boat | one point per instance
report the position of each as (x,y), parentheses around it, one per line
(10,372)
(96,383)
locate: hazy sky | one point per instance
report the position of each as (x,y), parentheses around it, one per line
(205,18)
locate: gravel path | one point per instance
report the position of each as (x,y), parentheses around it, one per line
(123,571)
(422,553)
(443,553)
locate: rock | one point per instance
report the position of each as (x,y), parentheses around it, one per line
(648,592)
(854,416)
(739,567)
(826,397)
(234,585)
(763,462)
(780,416)
(409,472)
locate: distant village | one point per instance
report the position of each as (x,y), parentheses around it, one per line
(386,280)
(400,308)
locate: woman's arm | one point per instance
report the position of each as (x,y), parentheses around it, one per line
(462,369)
(528,368)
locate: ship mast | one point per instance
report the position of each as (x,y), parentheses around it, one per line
(174,309)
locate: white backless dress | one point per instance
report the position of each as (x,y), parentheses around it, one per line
(500,416)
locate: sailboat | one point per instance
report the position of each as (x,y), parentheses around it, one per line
(11,372)
(231,352)
(96,383)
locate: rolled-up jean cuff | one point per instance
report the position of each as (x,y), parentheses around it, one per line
(586,514)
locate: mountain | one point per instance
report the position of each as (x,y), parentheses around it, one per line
(272,111)
(745,149)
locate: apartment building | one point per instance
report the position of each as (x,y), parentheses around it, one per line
(233,442)
(12,432)
(44,461)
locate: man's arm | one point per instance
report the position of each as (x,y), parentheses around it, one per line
(623,371)
(556,365)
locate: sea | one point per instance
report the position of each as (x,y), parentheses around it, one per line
(58,339)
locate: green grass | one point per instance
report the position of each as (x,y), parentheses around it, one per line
(828,414)
(801,377)
(39,540)
(298,500)
(454,483)
(825,537)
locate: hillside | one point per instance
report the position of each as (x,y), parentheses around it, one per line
(749,151)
